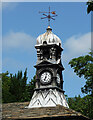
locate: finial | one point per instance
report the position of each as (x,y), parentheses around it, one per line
(49,28)
(49,16)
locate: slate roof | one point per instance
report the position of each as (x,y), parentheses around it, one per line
(17,111)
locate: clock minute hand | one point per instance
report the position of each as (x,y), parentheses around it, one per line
(45,78)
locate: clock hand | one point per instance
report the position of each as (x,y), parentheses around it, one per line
(45,78)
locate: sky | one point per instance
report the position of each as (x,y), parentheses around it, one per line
(21,25)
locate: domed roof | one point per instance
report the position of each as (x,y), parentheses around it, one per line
(49,38)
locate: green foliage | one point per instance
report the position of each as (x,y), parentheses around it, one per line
(6,81)
(83,66)
(15,87)
(90,6)
(31,87)
(82,105)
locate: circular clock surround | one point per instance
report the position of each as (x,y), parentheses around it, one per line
(58,78)
(45,77)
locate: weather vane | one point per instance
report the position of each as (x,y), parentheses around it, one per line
(49,16)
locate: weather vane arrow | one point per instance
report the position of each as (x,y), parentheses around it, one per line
(49,16)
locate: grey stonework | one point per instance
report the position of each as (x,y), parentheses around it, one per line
(48,72)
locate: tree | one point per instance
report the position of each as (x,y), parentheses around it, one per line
(82,105)
(6,94)
(15,87)
(90,6)
(83,66)
(31,86)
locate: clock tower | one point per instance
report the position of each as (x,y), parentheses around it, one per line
(49,80)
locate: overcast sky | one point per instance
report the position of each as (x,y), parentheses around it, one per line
(21,25)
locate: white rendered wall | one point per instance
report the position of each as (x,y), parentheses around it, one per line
(48,98)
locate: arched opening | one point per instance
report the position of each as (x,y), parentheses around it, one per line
(44,42)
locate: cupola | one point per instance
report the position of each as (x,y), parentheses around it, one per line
(48,38)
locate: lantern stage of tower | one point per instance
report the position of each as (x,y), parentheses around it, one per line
(49,80)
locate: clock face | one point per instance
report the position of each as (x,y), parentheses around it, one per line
(58,78)
(45,77)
